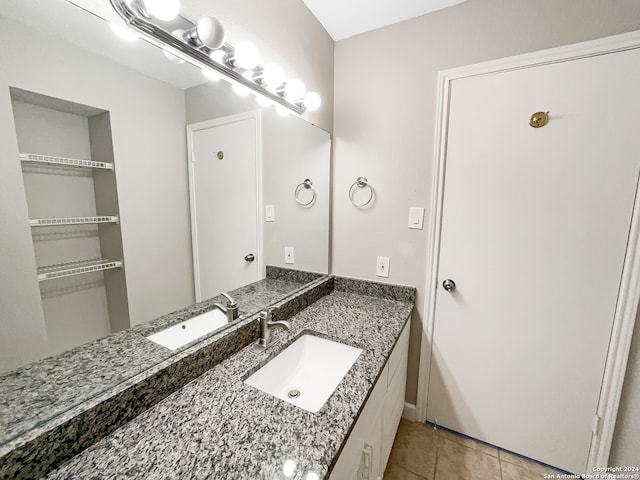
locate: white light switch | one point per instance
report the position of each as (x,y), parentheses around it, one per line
(382,267)
(288,254)
(416,216)
(269,213)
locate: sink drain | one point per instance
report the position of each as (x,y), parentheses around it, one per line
(294,393)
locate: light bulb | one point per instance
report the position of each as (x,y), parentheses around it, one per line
(241,90)
(294,89)
(246,55)
(248,75)
(312,101)
(264,101)
(312,476)
(165,10)
(210,32)
(289,468)
(210,75)
(282,110)
(218,56)
(123,32)
(172,58)
(273,76)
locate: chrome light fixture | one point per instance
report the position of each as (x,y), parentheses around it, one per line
(203,44)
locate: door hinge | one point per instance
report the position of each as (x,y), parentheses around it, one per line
(597,421)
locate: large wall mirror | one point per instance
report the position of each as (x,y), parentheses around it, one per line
(186,190)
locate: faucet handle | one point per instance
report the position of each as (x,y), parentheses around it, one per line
(267,314)
(232,302)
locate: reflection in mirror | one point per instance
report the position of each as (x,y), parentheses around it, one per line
(130,223)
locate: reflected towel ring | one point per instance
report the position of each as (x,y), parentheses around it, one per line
(305,185)
(361,182)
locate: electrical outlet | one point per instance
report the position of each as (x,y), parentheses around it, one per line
(288,255)
(382,267)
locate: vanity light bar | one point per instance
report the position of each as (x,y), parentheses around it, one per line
(50,222)
(198,56)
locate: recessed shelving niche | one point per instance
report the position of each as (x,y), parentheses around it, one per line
(69,178)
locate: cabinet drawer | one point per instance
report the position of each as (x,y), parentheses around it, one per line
(400,351)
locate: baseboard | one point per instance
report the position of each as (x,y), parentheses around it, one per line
(409,412)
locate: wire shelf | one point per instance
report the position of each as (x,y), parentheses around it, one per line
(73,162)
(49,222)
(50,272)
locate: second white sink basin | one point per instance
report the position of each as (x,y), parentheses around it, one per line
(307,372)
(186,332)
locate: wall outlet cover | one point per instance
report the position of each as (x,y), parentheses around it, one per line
(288,255)
(382,267)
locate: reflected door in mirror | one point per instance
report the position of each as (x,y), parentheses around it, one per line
(224,202)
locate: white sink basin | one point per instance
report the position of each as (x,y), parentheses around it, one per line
(186,332)
(311,366)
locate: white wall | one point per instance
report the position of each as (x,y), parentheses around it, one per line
(148,130)
(384,114)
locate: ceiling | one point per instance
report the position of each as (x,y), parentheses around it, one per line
(346,18)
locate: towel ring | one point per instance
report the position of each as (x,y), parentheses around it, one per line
(306,185)
(361,182)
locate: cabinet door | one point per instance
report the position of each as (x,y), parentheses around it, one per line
(360,458)
(394,401)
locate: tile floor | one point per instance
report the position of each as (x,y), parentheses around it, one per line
(422,453)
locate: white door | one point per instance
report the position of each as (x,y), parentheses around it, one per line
(534,231)
(224,204)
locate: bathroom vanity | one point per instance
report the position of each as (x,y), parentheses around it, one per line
(217,426)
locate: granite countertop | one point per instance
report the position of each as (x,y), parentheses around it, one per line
(218,427)
(34,395)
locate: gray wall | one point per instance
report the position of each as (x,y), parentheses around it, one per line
(75,308)
(147,120)
(384,120)
(292,150)
(286,33)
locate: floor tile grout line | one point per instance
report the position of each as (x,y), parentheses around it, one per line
(455,438)
(435,462)
(402,467)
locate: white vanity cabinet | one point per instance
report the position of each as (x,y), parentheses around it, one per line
(367,450)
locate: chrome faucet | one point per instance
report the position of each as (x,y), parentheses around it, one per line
(230,309)
(266,324)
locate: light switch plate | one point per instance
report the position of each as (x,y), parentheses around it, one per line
(416,217)
(382,267)
(288,255)
(269,213)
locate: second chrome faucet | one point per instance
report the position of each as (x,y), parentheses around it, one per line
(230,309)
(266,324)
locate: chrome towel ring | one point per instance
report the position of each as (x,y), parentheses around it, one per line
(361,182)
(305,185)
